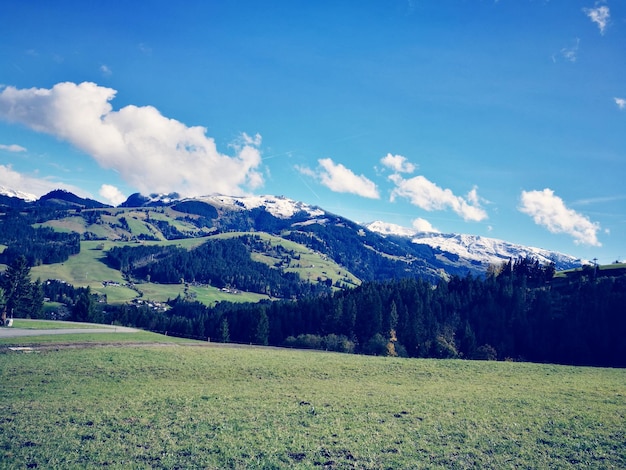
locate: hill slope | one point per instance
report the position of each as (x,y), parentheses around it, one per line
(374,252)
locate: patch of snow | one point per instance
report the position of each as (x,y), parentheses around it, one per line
(386,228)
(164,198)
(476,248)
(279,206)
(18,194)
(492,251)
(311,222)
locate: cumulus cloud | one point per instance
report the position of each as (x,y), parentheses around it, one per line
(427,195)
(549,211)
(12,179)
(423,225)
(620,102)
(599,15)
(149,151)
(112,194)
(340,179)
(398,163)
(12,148)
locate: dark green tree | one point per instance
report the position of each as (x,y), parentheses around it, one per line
(224,331)
(3,313)
(23,298)
(261,334)
(85,307)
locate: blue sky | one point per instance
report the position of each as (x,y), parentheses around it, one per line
(501,118)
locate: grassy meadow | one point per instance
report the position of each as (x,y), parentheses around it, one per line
(199,405)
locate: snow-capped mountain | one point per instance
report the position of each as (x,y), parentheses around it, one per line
(279,206)
(4,191)
(386,228)
(475,248)
(376,251)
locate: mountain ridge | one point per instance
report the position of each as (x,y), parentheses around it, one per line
(374,251)
(474,247)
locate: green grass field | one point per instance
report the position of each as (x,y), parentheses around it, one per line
(197,405)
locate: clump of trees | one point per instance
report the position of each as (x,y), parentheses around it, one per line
(40,245)
(19,297)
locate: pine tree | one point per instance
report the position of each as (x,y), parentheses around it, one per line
(224,331)
(261,335)
(3,311)
(85,307)
(23,299)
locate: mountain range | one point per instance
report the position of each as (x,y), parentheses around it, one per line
(372,251)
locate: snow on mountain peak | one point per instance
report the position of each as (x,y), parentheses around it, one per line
(476,248)
(493,251)
(386,228)
(4,191)
(279,206)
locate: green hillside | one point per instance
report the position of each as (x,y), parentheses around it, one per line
(88,268)
(310,265)
(127,223)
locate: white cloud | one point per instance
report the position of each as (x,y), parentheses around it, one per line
(112,194)
(149,151)
(37,186)
(12,148)
(340,179)
(428,196)
(620,102)
(398,163)
(571,53)
(550,211)
(599,15)
(423,225)
(106,70)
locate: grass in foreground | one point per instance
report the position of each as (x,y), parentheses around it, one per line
(226,407)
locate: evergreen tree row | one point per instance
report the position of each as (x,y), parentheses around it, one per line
(519,313)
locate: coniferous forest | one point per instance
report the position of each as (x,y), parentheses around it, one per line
(518,312)
(41,245)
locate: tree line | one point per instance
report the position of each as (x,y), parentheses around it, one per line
(519,311)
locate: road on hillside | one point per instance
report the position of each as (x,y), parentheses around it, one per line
(94,328)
